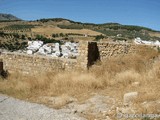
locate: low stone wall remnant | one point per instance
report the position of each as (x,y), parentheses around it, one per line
(88,54)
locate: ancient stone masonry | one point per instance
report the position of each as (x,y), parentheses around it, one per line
(35,64)
(89,53)
(82,59)
(107,50)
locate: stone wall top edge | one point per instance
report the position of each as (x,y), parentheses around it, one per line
(39,56)
(109,42)
(118,43)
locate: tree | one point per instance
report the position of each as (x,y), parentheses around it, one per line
(23,37)
(98,37)
(61,34)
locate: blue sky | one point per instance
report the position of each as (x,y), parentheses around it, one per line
(133,12)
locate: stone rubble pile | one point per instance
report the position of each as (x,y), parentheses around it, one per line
(140,41)
(67,50)
(33,46)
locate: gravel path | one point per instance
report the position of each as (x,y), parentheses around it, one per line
(14,109)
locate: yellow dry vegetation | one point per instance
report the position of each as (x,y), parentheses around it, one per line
(49,30)
(113,77)
(154,34)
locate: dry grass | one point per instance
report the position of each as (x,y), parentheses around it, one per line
(156,34)
(113,77)
(50,30)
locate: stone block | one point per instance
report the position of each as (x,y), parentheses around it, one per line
(129,97)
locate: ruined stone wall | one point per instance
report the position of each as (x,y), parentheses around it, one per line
(82,59)
(112,49)
(89,53)
(35,64)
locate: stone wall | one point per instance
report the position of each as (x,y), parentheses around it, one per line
(29,64)
(82,59)
(113,49)
(89,53)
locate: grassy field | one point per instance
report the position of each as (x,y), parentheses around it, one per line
(154,34)
(50,30)
(113,77)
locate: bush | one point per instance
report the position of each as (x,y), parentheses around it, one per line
(4,74)
(14,46)
(23,37)
(46,40)
(98,37)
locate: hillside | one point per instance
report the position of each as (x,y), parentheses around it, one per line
(111,30)
(8,17)
(15,34)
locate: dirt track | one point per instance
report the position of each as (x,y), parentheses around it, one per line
(14,109)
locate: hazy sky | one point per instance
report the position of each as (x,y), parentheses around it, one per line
(133,12)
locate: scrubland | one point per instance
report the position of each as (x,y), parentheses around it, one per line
(113,77)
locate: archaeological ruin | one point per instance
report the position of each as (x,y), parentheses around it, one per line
(89,53)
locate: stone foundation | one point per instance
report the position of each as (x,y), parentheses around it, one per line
(89,53)
(35,64)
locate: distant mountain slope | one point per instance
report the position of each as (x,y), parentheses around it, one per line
(60,28)
(8,17)
(80,25)
(116,31)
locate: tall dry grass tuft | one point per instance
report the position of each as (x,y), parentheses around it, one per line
(126,77)
(74,82)
(61,83)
